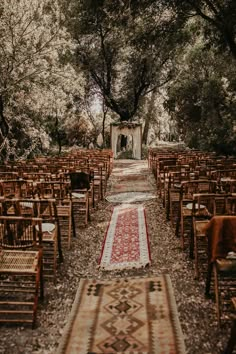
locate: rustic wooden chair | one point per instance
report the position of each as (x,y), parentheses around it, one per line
(173,195)
(21,272)
(6,175)
(168,170)
(98,183)
(59,191)
(205,206)
(45,209)
(221,233)
(80,188)
(187,190)
(161,173)
(11,188)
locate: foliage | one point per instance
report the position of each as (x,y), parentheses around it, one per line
(32,45)
(125,53)
(70,68)
(203,101)
(219,17)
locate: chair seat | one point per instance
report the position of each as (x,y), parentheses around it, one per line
(200,226)
(19,261)
(49,236)
(226,265)
(63,210)
(187,212)
(78,195)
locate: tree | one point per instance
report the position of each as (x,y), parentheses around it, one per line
(125,54)
(219,15)
(203,101)
(32,40)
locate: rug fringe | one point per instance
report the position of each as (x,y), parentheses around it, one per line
(175,316)
(124,266)
(73,313)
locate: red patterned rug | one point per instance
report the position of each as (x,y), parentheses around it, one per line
(126,242)
(129,316)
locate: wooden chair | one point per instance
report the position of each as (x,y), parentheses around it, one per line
(11,188)
(80,188)
(185,205)
(161,173)
(221,233)
(17,188)
(45,209)
(5,175)
(205,206)
(173,194)
(59,191)
(98,183)
(21,272)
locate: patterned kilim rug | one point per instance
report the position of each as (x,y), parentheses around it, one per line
(130,197)
(129,316)
(126,242)
(131,183)
(122,187)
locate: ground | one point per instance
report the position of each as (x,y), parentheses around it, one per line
(197,315)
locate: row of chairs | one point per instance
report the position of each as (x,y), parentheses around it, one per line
(38,216)
(197,192)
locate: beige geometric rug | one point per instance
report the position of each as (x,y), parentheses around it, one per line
(126,315)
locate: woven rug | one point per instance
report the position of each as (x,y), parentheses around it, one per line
(126,242)
(129,316)
(131,183)
(129,186)
(130,197)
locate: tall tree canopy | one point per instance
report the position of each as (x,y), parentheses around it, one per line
(125,53)
(219,15)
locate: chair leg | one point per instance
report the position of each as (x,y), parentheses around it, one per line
(195,247)
(232,340)
(177,225)
(41,281)
(69,232)
(217,295)
(191,243)
(208,280)
(59,243)
(182,232)
(73,220)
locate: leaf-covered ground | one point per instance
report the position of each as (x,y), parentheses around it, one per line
(197,315)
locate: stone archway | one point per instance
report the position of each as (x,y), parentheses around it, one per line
(127,129)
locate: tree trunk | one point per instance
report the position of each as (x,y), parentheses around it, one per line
(3,123)
(148,118)
(104,109)
(58,135)
(229,38)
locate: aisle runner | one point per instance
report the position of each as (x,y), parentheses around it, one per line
(126,242)
(129,316)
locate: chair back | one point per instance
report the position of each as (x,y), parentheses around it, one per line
(221,233)
(17,232)
(197,186)
(79,180)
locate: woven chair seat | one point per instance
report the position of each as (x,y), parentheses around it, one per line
(200,227)
(187,212)
(49,236)
(12,261)
(226,265)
